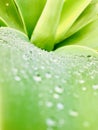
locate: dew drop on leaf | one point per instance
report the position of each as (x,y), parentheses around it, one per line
(60,106)
(37,78)
(17,78)
(84,88)
(59,89)
(56,96)
(48,75)
(95,87)
(50,122)
(7,4)
(81,81)
(73,113)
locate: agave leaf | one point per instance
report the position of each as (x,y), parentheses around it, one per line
(10,14)
(76,50)
(87,36)
(44,33)
(30,11)
(89,15)
(41,90)
(2,22)
(71,11)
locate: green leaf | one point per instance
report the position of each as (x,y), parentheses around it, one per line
(76,50)
(87,36)
(89,15)
(44,33)
(2,22)
(71,11)
(10,14)
(41,90)
(30,11)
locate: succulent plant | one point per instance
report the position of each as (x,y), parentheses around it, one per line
(48,65)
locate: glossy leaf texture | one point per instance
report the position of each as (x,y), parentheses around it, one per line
(44,33)
(89,15)
(10,15)
(42,91)
(30,11)
(85,29)
(87,36)
(2,22)
(70,12)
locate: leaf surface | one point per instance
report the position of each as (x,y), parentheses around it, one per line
(87,36)
(30,11)
(44,33)
(10,14)
(41,90)
(71,11)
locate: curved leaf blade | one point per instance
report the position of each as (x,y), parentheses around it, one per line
(76,50)
(30,11)
(44,33)
(10,14)
(89,15)
(87,36)
(71,11)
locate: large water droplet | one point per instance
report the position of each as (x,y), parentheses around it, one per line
(84,88)
(81,81)
(95,87)
(60,106)
(17,78)
(59,89)
(7,4)
(56,96)
(50,122)
(73,113)
(48,75)
(37,78)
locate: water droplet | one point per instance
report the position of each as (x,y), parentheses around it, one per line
(73,113)
(49,104)
(56,96)
(7,4)
(37,78)
(84,88)
(86,124)
(25,57)
(81,81)
(60,106)
(48,75)
(42,67)
(35,68)
(17,78)
(58,89)
(50,122)
(95,87)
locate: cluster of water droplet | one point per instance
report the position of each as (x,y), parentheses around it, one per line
(59,85)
